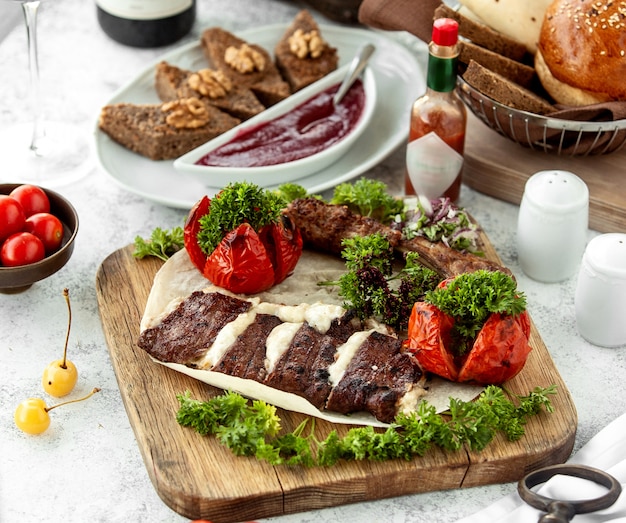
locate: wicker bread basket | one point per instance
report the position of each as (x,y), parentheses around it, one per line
(542,133)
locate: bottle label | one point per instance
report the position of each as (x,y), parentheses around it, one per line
(144,9)
(432,165)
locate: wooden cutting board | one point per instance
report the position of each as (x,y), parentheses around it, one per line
(499,167)
(199,478)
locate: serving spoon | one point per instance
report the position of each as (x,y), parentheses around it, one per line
(355,69)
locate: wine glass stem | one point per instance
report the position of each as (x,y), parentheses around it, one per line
(30,9)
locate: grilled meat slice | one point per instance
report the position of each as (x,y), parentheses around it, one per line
(303,367)
(324,226)
(187,332)
(245,358)
(379,378)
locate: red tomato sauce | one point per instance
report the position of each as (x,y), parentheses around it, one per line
(282,139)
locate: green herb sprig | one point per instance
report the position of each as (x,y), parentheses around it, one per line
(471,298)
(253,428)
(368,198)
(162,243)
(237,203)
(370,287)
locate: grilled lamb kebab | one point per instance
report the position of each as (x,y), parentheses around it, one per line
(316,351)
(324,226)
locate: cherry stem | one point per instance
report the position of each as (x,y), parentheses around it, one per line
(96,389)
(66,295)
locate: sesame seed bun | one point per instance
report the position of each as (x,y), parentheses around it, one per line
(581,55)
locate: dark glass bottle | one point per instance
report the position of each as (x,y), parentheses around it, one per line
(434,158)
(146,23)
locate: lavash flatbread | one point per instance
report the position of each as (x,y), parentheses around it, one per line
(178,278)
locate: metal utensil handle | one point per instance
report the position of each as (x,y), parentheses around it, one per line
(563,511)
(356,67)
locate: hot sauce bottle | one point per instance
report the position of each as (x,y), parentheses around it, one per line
(434,156)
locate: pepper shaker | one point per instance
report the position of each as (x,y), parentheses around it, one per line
(600,299)
(552,225)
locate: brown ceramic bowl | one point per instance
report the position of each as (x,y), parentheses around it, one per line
(17,279)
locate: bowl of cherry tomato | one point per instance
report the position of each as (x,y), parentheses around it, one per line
(37,231)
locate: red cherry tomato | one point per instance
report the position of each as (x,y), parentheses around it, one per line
(33,199)
(12,216)
(21,248)
(48,228)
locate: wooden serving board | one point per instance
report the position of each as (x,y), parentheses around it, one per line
(199,478)
(499,167)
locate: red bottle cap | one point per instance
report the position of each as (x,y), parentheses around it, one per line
(445,31)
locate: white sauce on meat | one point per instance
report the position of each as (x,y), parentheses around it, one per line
(411,399)
(320,316)
(226,337)
(317,315)
(278,342)
(344,355)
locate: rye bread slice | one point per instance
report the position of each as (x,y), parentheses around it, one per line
(267,83)
(517,72)
(504,90)
(483,35)
(144,130)
(172,83)
(300,71)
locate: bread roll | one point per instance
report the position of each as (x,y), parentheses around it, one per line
(581,55)
(518,19)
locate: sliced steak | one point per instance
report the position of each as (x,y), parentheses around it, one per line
(376,380)
(303,367)
(187,333)
(245,358)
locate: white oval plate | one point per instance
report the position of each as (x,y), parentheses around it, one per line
(268,176)
(399,80)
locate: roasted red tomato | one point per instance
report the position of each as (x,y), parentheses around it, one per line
(240,263)
(499,352)
(252,253)
(496,353)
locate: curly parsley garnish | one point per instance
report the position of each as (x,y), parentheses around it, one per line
(162,243)
(253,428)
(237,203)
(472,297)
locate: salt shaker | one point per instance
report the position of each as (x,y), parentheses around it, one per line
(600,299)
(552,225)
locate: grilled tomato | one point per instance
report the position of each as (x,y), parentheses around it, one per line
(241,240)
(472,328)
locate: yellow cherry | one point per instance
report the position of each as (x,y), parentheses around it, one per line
(32,415)
(59,381)
(59,378)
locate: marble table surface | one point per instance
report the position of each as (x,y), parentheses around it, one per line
(87,466)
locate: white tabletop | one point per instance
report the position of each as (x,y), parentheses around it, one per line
(87,466)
